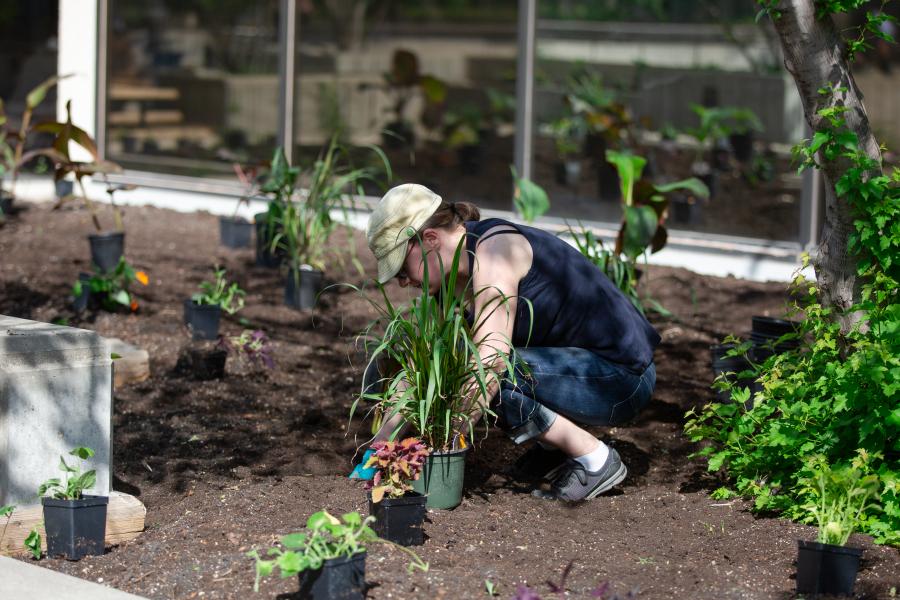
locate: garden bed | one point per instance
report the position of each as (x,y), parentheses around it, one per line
(225,466)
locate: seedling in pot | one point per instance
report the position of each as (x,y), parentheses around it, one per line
(112,289)
(75,523)
(227,295)
(203,312)
(839,498)
(329,556)
(398,510)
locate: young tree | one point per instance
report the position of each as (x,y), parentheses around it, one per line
(816,56)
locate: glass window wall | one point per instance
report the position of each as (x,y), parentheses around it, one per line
(694,88)
(193,85)
(432,83)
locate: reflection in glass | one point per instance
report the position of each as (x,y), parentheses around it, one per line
(433,83)
(695,88)
(193,84)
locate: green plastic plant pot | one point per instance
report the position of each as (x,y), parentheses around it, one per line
(442,479)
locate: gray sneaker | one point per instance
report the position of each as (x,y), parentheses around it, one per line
(573,482)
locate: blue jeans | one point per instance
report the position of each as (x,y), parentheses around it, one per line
(572,382)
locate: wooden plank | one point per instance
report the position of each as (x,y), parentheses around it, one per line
(124,91)
(125,517)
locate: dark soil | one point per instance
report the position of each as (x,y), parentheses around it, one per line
(224,466)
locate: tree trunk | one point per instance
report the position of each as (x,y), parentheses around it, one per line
(814,55)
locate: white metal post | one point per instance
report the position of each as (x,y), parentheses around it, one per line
(525,87)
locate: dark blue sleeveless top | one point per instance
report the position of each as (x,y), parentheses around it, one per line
(575,304)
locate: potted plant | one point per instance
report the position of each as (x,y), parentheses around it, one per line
(235,231)
(74,522)
(568,135)
(12,144)
(838,500)
(743,125)
(109,289)
(203,311)
(607,126)
(329,557)
(278,187)
(107,247)
(439,386)
(398,509)
(464,132)
(305,225)
(645,205)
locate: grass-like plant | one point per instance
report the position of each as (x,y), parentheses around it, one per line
(303,226)
(326,537)
(396,464)
(441,383)
(75,482)
(839,496)
(229,296)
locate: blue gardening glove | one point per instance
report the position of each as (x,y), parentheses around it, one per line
(362,473)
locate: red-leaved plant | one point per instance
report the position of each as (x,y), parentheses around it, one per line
(397,464)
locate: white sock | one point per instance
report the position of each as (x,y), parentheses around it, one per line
(592,461)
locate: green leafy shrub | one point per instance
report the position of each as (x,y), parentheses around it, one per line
(229,296)
(839,392)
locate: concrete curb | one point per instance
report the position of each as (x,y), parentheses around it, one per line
(20,579)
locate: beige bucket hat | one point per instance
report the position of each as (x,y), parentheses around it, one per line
(398,217)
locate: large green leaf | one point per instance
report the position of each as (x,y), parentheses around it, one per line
(691,184)
(629,167)
(529,198)
(640,227)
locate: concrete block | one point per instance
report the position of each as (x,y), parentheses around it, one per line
(55,394)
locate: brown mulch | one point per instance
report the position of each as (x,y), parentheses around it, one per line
(225,466)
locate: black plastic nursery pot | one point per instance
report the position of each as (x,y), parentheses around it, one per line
(826,568)
(568,172)
(686,210)
(765,333)
(338,579)
(741,145)
(441,479)
(729,364)
(202,319)
(6,202)
(302,287)
(399,520)
(64,188)
(470,159)
(264,234)
(235,232)
(81,302)
(75,528)
(107,249)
